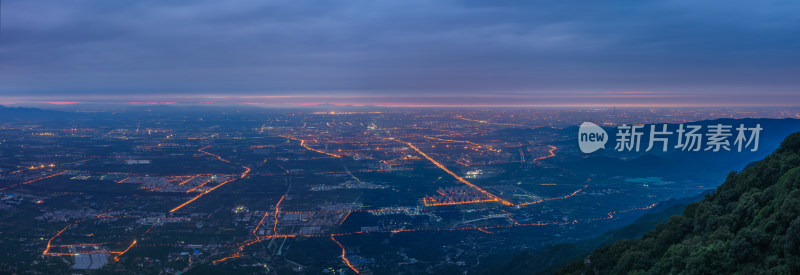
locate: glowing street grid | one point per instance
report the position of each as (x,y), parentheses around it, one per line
(318,189)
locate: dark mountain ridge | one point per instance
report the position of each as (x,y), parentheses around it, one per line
(552,257)
(749,225)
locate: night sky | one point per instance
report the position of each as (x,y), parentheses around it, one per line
(402,53)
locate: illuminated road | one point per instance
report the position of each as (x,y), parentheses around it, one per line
(303,144)
(202,150)
(552,153)
(190,178)
(460,179)
(50,245)
(426,203)
(116,258)
(196,187)
(277,211)
(555,198)
(33,180)
(344,256)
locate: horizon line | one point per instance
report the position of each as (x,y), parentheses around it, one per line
(42,104)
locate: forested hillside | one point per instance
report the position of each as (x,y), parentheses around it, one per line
(750,225)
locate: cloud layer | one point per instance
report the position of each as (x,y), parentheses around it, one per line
(529,49)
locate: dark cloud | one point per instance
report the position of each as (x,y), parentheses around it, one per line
(408,47)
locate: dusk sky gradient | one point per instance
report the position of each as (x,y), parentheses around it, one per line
(402,53)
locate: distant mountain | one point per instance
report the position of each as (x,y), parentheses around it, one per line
(32,114)
(749,225)
(716,165)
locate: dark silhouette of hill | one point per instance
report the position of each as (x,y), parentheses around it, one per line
(32,114)
(749,225)
(551,258)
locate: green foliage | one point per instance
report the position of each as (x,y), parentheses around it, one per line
(750,225)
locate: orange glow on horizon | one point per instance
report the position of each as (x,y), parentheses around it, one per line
(576,99)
